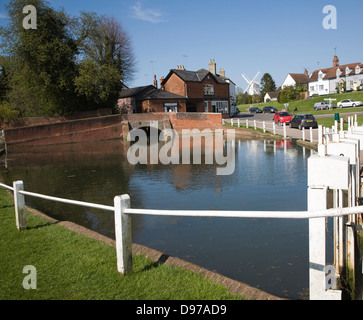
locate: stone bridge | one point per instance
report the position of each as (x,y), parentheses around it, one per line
(175,121)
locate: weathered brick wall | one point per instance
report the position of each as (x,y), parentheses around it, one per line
(35,121)
(90,129)
(199,121)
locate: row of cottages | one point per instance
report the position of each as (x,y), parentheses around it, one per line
(183,91)
(329,80)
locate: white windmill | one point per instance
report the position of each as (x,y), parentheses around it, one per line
(253,86)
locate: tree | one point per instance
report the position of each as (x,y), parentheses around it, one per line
(267,85)
(66,64)
(42,62)
(109,63)
(287,94)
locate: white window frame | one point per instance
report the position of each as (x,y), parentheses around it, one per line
(221,106)
(171,107)
(209,90)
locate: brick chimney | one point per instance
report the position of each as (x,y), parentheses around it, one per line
(212,67)
(222,73)
(336,62)
(161,83)
(155,82)
(306,72)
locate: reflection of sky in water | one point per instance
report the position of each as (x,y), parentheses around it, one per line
(270,254)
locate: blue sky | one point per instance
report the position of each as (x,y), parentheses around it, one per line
(278,37)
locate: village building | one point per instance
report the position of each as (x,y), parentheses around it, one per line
(331,80)
(294,79)
(150,99)
(271,96)
(183,91)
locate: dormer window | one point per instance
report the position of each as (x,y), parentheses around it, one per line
(320,76)
(347,71)
(338,73)
(357,70)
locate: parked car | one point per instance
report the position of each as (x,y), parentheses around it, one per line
(281,117)
(323,106)
(303,121)
(255,110)
(269,109)
(349,103)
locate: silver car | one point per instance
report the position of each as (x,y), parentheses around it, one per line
(323,106)
(349,103)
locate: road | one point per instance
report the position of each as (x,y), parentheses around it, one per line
(291,132)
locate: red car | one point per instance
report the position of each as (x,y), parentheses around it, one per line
(282,117)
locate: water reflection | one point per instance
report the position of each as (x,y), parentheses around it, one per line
(269,175)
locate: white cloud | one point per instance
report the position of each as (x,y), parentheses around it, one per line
(150,15)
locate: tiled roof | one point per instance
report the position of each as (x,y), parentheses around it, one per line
(331,73)
(196,76)
(148,93)
(300,77)
(134,91)
(159,94)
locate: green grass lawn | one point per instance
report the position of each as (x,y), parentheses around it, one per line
(307,105)
(329,122)
(72,267)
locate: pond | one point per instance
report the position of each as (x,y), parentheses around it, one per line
(265,253)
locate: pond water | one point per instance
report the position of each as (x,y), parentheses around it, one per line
(266,253)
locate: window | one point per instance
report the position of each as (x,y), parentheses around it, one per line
(312,88)
(357,70)
(222,107)
(321,87)
(209,90)
(170,107)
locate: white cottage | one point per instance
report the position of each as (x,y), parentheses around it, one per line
(327,81)
(292,79)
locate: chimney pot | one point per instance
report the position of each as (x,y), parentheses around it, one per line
(335,62)
(155,82)
(212,67)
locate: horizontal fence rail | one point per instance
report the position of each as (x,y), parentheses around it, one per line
(75,202)
(335,212)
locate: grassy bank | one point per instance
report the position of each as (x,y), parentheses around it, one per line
(307,105)
(72,267)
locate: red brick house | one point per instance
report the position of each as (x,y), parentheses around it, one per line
(181,91)
(205,90)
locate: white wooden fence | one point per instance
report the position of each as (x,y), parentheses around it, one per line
(270,126)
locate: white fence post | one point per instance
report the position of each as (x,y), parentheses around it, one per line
(264,126)
(123,234)
(303,133)
(255,124)
(19,202)
(231,122)
(311,134)
(274,127)
(238,123)
(285,134)
(247,123)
